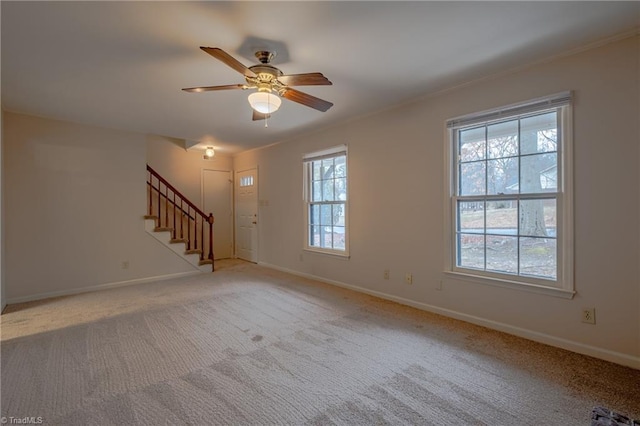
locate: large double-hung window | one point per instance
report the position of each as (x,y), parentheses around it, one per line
(325,178)
(510,195)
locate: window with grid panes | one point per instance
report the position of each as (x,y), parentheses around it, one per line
(326,201)
(510,194)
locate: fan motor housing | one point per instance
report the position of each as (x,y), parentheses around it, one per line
(267,77)
(266,72)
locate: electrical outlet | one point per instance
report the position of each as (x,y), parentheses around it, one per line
(386,274)
(408,278)
(589,315)
(125,264)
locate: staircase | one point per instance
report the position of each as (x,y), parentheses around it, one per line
(178,223)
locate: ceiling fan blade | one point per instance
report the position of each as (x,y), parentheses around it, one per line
(259,115)
(212,88)
(306,99)
(223,56)
(308,79)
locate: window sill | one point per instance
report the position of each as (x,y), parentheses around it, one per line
(343,255)
(517,285)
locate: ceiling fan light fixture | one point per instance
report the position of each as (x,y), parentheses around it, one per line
(264,102)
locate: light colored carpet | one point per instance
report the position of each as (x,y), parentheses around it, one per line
(248,345)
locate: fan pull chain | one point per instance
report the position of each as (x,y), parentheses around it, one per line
(266,116)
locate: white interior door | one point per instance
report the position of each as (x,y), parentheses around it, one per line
(217,198)
(247,215)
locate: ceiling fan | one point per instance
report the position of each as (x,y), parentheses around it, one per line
(270,82)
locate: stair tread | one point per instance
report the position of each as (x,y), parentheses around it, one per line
(205,262)
(162,229)
(193,251)
(177,240)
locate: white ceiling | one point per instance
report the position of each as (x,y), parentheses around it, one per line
(122,64)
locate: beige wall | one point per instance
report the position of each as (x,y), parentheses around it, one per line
(75,201)
(396,187)
(3,299)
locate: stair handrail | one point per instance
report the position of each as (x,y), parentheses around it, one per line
(178,193)
(205,217)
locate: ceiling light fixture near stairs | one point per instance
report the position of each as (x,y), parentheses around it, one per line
(209,153)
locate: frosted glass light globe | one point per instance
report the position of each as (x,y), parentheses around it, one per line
(264,102)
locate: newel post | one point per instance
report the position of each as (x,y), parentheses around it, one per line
(210,220)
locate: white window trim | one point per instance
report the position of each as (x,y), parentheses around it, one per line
(565,287)
(319,155)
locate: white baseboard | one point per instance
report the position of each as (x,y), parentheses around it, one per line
(570,345)
(99,287)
